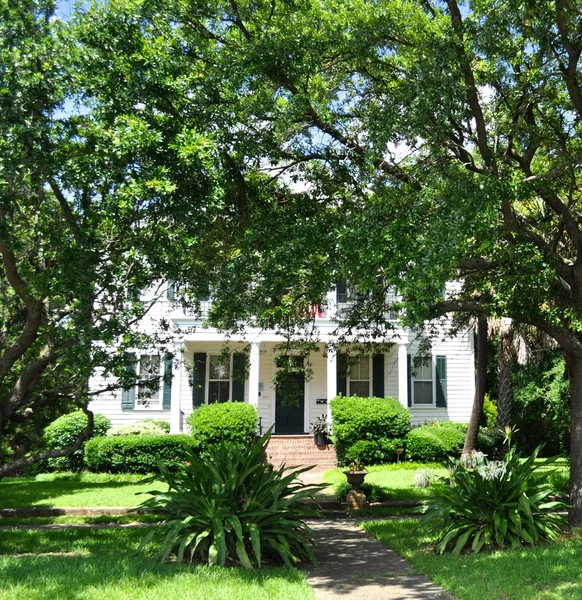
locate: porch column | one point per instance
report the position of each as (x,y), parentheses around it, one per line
(254,360)
(331,378)
(403,374)
(175,409)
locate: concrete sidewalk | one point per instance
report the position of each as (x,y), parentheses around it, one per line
(353,564)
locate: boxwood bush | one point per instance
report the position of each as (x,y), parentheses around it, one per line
(435,442)
(234,423)
(368,429)
(63,432)
(135,453)
(144,427)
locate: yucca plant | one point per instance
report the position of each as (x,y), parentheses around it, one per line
(487,504)
(228,507)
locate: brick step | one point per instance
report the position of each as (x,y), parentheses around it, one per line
(296,450)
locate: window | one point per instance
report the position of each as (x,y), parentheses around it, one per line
(148,388)
(422,385)
(359,377)
(219,370)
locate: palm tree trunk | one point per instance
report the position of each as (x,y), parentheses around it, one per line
(504,364)
(473,430)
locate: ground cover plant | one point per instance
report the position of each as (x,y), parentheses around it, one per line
(228,507)
(547,572)
(72,489)
(486,504)
(101,564)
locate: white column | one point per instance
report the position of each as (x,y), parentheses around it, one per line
(330,301)
(403,374)
(331,378)
(254,361)
(175,409)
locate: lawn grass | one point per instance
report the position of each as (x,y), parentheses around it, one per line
(101,564)
(73,489)
(388,482)
(549,572)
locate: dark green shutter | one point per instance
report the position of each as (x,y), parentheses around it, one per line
(441,381)
(171,290)
(167,394)
(239,364)
(342,374)
(409,377)
(199,379)
(341,289)
(378,375)
(128,395)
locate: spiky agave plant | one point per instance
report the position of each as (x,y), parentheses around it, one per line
(228,508)
(487,504)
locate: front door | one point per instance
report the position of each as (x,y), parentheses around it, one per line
(290,401)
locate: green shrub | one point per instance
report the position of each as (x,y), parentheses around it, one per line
(145,427)
(234,423)
(368,429)
(436,442)
(493,504)
(135,453)
(159,423)
(64,431)
(490,412)
(227,508)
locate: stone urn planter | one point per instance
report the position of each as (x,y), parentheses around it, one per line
(355,498)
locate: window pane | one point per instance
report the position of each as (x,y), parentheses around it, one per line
(360,388)
(218,391)
(360,368)
(425,372)
(423,392)
(149,367)
(219,367)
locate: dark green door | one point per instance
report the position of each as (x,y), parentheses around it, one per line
(290,403)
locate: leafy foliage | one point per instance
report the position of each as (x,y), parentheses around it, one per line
(228,507)
(143,427)
(368,429)
(493,504)
(541,406)
(436,442)
(135,453)
(234,423)
(62,433)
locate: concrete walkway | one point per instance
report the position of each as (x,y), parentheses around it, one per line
(354,565)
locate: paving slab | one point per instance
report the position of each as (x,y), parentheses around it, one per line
(353,564)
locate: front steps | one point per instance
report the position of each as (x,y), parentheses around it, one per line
(300,450)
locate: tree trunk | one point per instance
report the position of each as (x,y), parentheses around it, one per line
(473,430)
(575,373)
(504,364)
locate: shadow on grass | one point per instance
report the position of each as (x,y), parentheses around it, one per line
(25,492)
(549,572)
(104,564)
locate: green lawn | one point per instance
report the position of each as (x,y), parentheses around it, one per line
(391,482)
(96,564)
(73,489)
(550,572)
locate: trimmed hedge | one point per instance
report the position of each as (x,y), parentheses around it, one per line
(232,423)
(435,442)
(134,453)
(145,427)
(368,429)
(63,432)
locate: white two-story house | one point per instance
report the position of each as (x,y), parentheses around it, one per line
(202,373)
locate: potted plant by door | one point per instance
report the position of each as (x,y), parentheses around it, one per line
(320,430)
